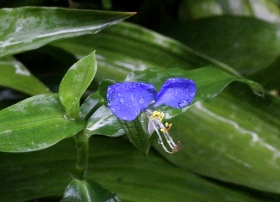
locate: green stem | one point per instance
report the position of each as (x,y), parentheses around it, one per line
(82,142)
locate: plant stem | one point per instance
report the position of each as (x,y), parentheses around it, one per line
(82,142)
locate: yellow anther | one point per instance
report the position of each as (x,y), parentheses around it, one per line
(167,127)
(158,115)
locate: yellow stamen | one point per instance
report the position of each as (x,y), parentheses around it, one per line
(158,115)
(155,124)
(167,127)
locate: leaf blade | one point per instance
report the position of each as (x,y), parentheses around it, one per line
(75,82)
(34,124)
(28,28)
(15,75)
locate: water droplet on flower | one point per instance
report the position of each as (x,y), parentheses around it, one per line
(122,100)
(118,107)
(182,103)
(132,97)
(141,101)
(119,94)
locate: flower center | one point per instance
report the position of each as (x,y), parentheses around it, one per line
(155,124)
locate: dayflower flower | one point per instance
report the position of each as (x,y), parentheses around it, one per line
(128,99)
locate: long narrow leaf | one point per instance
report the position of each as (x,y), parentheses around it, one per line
(15,75)
(28,28)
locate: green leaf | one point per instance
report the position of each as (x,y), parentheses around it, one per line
(90,105)
(265,10)
(246,44)
(29,28)
(74,84)
(118,167)
(34,124)
(234,138)
(104,122)
(269,76)
(149,49)
(137,134)
(87,190)
(15,75)
(209,82)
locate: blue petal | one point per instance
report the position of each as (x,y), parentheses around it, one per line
(126,100)
(176,93)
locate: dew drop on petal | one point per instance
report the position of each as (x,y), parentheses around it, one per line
(176,93)
(126,100)
(182,103)
(141,101)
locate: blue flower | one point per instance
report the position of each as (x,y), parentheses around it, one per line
(128,99)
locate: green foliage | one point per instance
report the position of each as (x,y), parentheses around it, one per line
(35,123)
(15,75)
(74,84)
(234,138)
(81,190)
(28,28)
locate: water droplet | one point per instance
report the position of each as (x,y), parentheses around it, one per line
(66,117)
(132,97)
(119,94)
(182,103)
(122,100)
(141,101)
(118,107)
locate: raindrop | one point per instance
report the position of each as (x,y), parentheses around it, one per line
(66,117)
(182,103)
(141,101)
(132,97)
(119,94)
(122,100)
(118,107)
